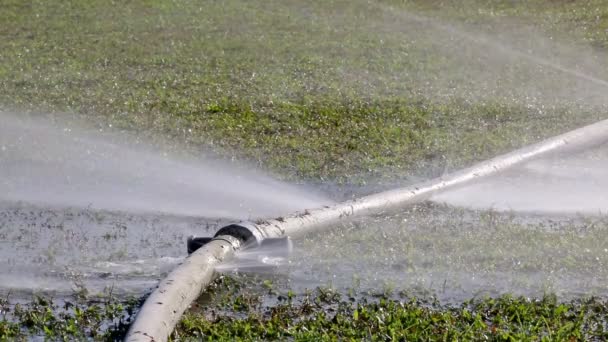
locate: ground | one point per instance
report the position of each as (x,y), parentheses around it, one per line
(348,93)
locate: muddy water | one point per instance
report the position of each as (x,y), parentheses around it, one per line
(62,250)
(455,254)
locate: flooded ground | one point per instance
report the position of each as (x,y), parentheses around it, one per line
(448,252)
(535,229)
(456,254)
(64,250)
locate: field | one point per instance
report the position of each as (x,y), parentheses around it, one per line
(351,97)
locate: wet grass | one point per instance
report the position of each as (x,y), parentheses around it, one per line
(585,20)
(325,92)
(105,319)
(326,315)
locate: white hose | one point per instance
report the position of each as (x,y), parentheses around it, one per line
(162,310)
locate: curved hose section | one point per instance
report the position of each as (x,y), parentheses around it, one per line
(163,308)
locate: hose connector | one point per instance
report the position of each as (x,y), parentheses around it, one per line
(249,236)
(245,231)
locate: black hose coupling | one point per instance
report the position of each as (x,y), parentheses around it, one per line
(248,234)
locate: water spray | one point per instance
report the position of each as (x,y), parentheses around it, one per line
(164,307)
(484,41)
(257,253)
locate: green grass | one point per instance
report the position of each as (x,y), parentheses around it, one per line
(583,20)
(327,315)
(325,91)
(105,319)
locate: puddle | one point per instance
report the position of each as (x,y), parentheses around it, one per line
(456,254)
(55,250)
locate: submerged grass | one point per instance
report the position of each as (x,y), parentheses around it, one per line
(456,253)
